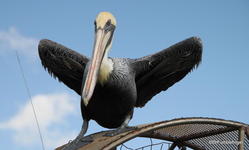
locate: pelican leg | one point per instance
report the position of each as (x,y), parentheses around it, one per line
(80,140)
(83,129)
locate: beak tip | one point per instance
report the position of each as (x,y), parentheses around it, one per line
(85,98)
(85,101)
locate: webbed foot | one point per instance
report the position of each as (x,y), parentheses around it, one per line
(78,142)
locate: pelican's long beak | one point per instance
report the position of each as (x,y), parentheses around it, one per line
(102,40)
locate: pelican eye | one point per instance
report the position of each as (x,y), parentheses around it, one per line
(95,25)
(108,23)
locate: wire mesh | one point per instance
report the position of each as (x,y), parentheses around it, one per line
(152,145)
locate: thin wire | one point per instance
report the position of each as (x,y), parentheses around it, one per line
(146,146)
(151,144)
(127,147)
(31,101)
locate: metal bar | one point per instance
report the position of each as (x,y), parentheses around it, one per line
(173,146)
(247,132)
(183,148)
(241,138)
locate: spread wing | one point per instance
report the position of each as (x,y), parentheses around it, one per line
(158,72)
(61,62)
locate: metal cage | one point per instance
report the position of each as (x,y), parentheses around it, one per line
(195,133)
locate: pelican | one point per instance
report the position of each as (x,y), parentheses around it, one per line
(110,88)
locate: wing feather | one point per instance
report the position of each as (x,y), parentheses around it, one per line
(63,63)
(158,72)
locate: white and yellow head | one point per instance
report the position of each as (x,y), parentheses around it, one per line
(105,25)
(104,19)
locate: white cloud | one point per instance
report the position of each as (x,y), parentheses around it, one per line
(12,40)
(52,110)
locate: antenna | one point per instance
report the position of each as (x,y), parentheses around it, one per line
(31,101)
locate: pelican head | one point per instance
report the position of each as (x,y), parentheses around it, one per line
(105,24)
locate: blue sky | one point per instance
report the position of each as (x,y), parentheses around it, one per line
(218,88)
